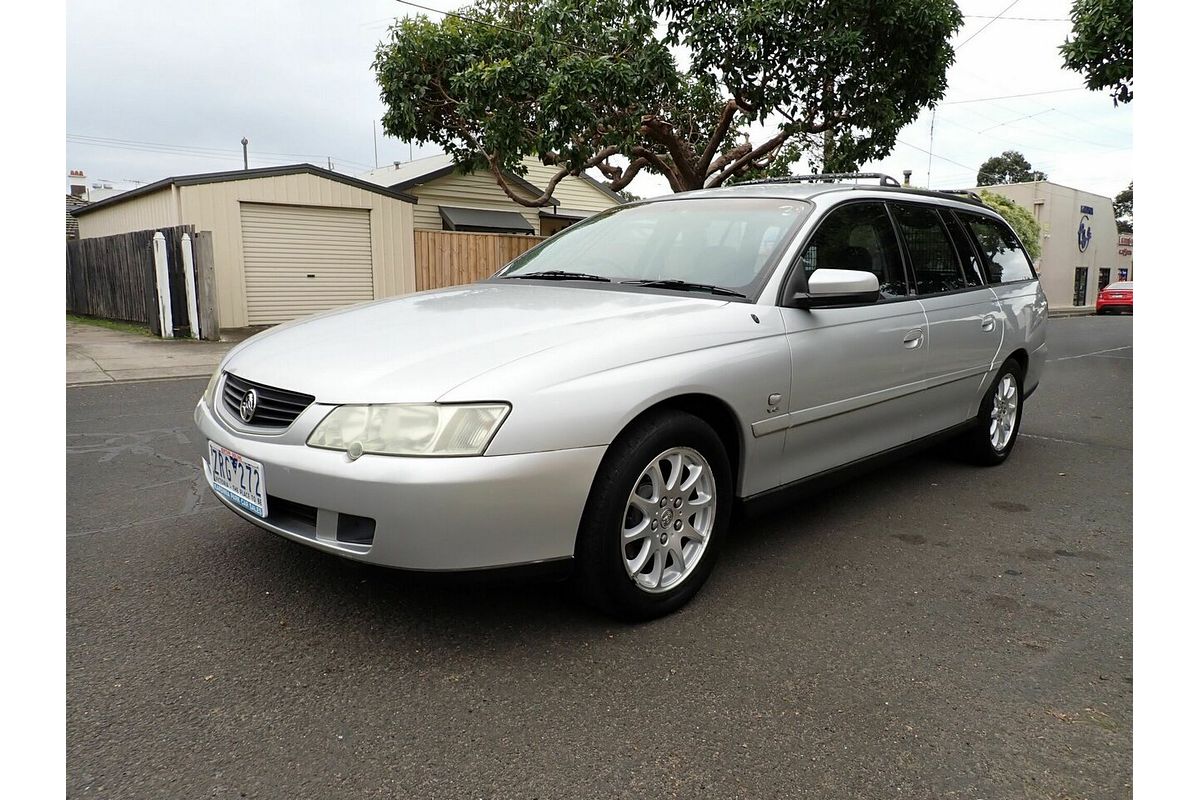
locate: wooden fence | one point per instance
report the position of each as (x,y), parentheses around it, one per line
(447,258)
(112,277)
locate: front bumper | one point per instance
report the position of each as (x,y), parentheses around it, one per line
(429,513)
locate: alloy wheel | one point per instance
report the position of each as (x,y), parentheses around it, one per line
(669,519)
(1005,404)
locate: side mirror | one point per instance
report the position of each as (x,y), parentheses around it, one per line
(837,287)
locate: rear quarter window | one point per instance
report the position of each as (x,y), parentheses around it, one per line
(1004,260)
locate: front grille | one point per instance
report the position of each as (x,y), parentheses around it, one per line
(276,408)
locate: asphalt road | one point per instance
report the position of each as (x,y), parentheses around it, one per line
(929,630)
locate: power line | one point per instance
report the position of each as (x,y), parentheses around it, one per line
(1018,19)
(1018,119)
(985,25)
(1045,134)
(198,151)
(1011,96)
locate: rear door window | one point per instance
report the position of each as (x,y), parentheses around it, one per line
(972,268)
(859,236)
(934,259)
(1004,260)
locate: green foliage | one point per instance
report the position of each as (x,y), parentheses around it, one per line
(1020,218)
(111,324)
(1008,167)
(594,83)
(1102,46)
(1123,209)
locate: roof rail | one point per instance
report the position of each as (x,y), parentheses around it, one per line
(827,177)
(966,193)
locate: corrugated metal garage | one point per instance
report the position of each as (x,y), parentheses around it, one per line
(287,241)
(304,259)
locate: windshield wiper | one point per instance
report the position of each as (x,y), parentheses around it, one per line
(561,275)
(685,286)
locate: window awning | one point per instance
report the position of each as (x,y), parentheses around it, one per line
(483,221)
(558,212)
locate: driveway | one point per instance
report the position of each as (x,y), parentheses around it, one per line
(102,355)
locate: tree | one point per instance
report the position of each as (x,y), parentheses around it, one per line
(594,83)
(1123,209)
(1008,167)
(1102,46)
(1020,218)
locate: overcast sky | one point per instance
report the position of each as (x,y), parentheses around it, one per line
(168,87)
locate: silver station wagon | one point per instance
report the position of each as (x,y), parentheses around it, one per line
(603,403)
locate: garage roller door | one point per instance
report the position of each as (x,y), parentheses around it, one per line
(300,260)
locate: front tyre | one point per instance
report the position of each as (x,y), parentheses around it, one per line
(655,518)
(995,431)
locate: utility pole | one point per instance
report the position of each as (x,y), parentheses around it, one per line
(375,143)
(929,162)
(245,154)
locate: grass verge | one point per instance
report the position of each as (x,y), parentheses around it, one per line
(111,324)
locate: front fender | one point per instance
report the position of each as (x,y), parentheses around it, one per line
(591,407)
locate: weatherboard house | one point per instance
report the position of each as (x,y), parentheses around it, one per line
(450,200)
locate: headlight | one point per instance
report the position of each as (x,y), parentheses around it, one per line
(210,391)
(410,430)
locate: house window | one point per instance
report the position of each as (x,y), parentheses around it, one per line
(552,225)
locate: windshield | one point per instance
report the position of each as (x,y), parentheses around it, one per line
(720,243)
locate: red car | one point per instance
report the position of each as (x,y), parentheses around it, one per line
(1115,298)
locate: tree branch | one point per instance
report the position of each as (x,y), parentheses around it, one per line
(714,143)
(660,131)
(547,195)
(502,182)
(628,174)
(654,160)
(733,153)
(757,153)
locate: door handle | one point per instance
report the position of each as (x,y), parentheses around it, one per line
(989,324)
(913,339)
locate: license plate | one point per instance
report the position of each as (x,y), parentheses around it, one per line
(238,479)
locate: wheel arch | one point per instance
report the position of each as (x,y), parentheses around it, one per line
(716,413)
(1021,355)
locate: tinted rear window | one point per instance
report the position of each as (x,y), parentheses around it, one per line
(1004,260)
(934,260)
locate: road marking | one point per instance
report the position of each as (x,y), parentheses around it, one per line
(1096,353)
(1051,439)
(1072,441)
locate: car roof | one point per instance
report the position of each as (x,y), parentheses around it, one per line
(1120,285)
(827,193)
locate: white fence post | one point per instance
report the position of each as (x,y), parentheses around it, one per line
(189,284)
(164,285)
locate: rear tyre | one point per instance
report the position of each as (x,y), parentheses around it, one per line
(655,519)
(994,434)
